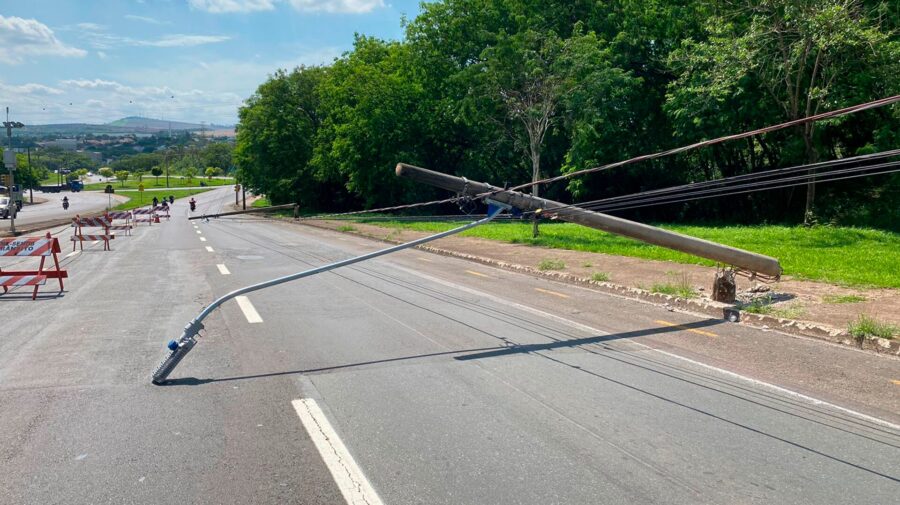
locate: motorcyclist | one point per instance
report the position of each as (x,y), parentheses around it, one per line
(65,202)
(193,204)
(171,199)
(155,201)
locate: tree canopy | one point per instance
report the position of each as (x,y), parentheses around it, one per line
(514,90)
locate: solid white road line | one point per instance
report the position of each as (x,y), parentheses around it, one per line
(223,269)
(346,473)
(596,331)
(209,249)
(202,239)
(73,253)
(248,309)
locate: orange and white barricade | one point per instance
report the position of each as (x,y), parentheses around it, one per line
(80,237)
(143,216)
(124,215)
(161,211)
(43,247)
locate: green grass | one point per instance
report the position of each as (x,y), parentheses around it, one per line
(845,256)
(600,276)
(676,286)
(843,298)
(764,306)
(551,264)
(346,228)
(148,197)
(151,182)
(866,326)
(262,202)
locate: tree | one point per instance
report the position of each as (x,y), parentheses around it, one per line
(81,173)
(217,154)
(802,56)
(122,176)
(212,172)
(190,172)
(156,172)
(106,172)
(275,139)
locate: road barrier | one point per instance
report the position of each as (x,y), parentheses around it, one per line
(122,215)
(43,247)
(144,216)
(161,211)
(79,237)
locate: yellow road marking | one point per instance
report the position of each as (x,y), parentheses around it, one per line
(479,274)
(692,330)
(895,381)
(554,293)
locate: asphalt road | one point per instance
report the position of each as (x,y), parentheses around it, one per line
(81,202)
(446,382)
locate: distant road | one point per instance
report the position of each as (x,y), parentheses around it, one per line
(82,202)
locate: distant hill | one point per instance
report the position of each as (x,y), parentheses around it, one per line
(150,124)
(131,124)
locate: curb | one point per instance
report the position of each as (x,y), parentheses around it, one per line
(706,307)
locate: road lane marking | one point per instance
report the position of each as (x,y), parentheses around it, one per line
(209,249)
(896,382)
(95,242)
(73,253)
(479,274)
(354,485)
(423,259)
(596,331)
(223,269)
(682,327)
(202,239)
(248,309)
(554,293)
(199,232)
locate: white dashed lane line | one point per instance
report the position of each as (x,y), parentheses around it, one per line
(209,249)
(223,269)
(248,309)
(346,473)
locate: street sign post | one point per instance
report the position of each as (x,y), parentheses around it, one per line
(141,191)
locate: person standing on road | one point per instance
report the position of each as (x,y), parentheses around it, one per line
(155,201)
(65,202)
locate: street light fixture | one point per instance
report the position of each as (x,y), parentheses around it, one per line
(14,207)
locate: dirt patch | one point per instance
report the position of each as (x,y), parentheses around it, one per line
(828,304)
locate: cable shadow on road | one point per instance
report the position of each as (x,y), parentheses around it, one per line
(575,342)
(193,381)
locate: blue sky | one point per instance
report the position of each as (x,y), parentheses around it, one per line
(193,60)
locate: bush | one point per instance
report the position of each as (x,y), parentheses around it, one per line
(551,264)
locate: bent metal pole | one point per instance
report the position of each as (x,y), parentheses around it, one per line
(179,348)
(746,260)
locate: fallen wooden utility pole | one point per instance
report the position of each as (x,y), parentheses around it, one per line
(257,209)
(745,260)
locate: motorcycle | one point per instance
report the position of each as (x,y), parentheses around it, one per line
(65,205)
(193,206)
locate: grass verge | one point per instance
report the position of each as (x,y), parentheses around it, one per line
(839,255)
(866,326)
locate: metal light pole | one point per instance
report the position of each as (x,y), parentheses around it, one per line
(14,207)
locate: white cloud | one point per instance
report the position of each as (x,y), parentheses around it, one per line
(329,6)
(29,89)
(226,6)
(181,40)
(337,6)
(90,26)
(102,55)
(146,19)
(20,38)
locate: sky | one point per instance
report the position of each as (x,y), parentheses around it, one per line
(95,61)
